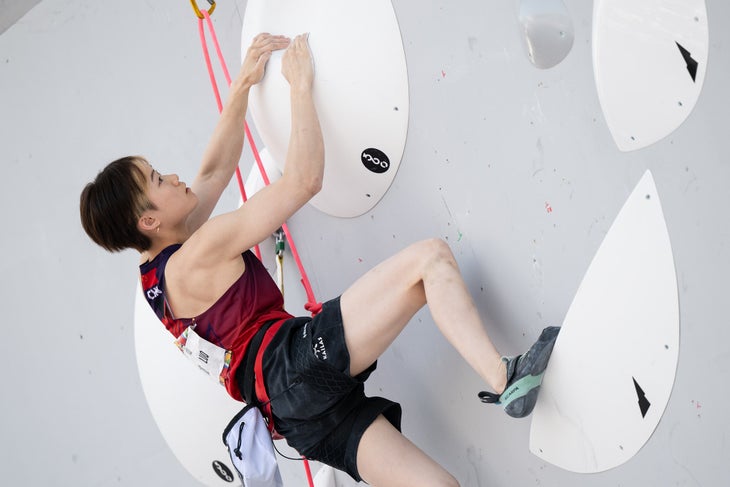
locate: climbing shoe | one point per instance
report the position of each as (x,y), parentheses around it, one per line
(524,376)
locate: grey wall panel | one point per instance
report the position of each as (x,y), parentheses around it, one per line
(513,166)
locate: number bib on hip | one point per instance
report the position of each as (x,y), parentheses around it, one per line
(208,357)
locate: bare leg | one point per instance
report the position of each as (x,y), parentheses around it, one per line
(385,458)
(376,308)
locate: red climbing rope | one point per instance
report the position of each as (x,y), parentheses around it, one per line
(312,305)
(214,84)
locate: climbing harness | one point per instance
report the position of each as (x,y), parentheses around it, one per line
(312,305)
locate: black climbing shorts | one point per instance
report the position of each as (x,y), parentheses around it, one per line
(324,412)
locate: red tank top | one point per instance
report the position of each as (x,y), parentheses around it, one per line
(233,320)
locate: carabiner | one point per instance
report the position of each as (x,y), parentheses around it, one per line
(194,3)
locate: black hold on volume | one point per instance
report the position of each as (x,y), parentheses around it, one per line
(644,403)
(691,63)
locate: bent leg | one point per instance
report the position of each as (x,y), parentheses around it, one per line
(386,458)
(376,308)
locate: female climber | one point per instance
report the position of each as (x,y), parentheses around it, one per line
(197,273)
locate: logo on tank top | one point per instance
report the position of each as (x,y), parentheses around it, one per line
(320,351)
(153,293)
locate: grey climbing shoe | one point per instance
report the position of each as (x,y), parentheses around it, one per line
(524,376)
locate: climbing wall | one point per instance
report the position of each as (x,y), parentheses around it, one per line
(510,160)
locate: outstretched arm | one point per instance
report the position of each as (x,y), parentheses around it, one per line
(210,260)
(226,144)
(226,236)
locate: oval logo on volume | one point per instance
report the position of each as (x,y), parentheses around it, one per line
(223,471)
(375,160)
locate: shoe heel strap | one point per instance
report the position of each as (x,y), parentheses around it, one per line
(489,397)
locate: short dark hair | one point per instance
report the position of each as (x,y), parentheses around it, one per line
(112,204)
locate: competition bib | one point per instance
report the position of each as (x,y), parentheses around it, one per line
(208,357)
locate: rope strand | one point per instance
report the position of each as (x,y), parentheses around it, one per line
(216,92)
(312,305)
